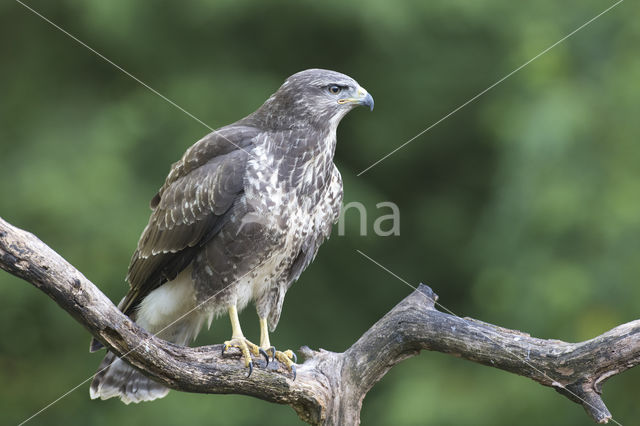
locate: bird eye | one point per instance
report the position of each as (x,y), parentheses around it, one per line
(335,89)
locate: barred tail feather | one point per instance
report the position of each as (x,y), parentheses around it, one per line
(116,378)
(170,313)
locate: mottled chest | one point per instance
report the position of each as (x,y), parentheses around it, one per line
(287,181)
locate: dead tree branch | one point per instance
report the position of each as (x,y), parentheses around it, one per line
(330,387)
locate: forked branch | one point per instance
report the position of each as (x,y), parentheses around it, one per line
(330,387)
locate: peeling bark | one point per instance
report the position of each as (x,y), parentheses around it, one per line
(330,387)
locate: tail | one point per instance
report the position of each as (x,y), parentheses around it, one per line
(117,378)
(169,313)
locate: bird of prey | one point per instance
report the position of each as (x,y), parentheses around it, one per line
(238,219)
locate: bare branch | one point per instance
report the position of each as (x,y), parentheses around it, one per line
(330,387)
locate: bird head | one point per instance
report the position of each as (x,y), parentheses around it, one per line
(317,97)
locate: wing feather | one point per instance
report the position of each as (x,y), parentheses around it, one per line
(189,209)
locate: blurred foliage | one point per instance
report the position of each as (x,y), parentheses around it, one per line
(522,209)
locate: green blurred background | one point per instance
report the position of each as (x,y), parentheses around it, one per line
(522,209)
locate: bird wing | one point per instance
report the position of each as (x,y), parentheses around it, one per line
(189,209)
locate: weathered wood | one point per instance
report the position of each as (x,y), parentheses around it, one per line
(330,386)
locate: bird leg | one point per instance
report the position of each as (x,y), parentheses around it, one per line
(239,341)
(287,358)
(264,338)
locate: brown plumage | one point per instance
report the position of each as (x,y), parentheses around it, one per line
(238,219)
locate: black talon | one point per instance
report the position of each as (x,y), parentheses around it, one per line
(295,357)
(224,347)
(293,370)
(250,369)
(273,350)
(265,355)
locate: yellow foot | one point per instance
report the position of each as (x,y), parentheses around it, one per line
(247,348)
(286,358)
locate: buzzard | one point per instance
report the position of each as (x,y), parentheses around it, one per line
(238,219)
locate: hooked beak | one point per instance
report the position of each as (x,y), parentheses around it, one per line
(362,98)
(365,98)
